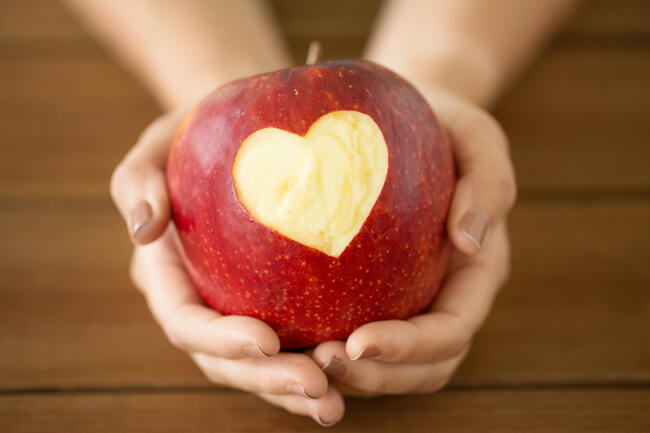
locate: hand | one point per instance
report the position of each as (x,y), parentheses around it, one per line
(236,351)
(421,354)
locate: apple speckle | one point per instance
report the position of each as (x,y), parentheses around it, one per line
(322,299)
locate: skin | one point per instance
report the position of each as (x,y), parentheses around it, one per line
(461,55)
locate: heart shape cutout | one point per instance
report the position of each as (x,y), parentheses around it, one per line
(318,189)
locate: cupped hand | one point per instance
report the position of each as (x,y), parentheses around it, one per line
(421,354)
(235,351)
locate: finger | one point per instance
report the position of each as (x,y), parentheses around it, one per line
(326,411)
(330,356)
(159,272)
(285,373)
(138,184)
(459,310)
(429,337)
(486,188)
(349,390)
(371,377)
(472,282)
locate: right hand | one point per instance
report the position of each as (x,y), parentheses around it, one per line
(235,351)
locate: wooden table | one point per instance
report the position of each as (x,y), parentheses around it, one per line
(566,349)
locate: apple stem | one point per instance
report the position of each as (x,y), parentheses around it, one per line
(313,53)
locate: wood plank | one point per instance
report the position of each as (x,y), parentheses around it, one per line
(574,122)
(33,19)
(343,34)
(69,314)
(65,123)
(557,411)
(36,19)
(578,120)
(605,17)
(568,119)
(575,311)
(341,27)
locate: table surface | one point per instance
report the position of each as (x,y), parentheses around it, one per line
(566,349)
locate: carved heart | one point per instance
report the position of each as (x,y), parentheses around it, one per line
(318,189)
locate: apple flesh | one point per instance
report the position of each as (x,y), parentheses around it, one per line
(317,189)
(314,198)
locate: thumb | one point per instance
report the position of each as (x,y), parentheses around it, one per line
(138,185)
(486,189)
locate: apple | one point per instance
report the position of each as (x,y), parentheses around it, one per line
(314,198)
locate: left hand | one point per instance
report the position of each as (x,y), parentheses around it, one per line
(420,355)
(235,351)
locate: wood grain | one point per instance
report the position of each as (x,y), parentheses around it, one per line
(575,311)
(568,119)
(65,123)
(566,348)
(556,411)
(577,122)
(47,19)
(606,18)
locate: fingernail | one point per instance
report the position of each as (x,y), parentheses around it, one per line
(253,350)
(335,367)
(298,389)
(474,225)
(369,352)
(320,421)
(140,215)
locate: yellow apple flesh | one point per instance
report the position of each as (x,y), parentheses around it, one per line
(318,189)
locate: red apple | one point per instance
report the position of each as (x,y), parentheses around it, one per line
(314,198)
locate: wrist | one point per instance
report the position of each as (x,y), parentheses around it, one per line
(190,87)
(456,66)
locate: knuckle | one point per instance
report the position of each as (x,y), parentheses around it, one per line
(295,410)
(499,133)
(412,351)
(270,385)
(212,374)
(508,187)
(502,180)
(414,348)
(299,362)
(377,384)
(501,186)
(171,331)
(464,335)
(495,131)
(490,128)
(172,326)
(151,129)
(439,383)
(117,179)
(134,270)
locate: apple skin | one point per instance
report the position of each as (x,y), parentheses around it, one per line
(394,266)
